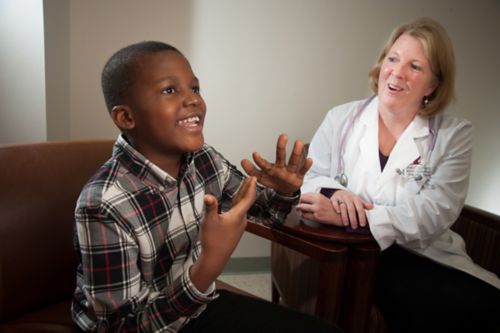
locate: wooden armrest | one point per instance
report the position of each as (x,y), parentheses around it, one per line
(296,230)
(322,270)
(305,228)
(305,245)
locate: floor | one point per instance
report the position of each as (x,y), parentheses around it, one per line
(258,284)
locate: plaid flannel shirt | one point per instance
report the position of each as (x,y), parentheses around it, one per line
(136,237)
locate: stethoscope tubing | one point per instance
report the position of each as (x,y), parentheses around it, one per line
(341,176)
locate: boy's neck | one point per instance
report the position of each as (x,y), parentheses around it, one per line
(170,163)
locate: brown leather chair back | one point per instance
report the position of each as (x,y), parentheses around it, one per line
(39,185)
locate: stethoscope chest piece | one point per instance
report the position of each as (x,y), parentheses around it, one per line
(342,179)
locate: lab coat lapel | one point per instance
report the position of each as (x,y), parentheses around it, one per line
(368,143)
(408,148)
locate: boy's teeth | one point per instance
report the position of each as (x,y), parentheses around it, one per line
(190,121)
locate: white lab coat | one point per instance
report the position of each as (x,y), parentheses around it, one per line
(414,214)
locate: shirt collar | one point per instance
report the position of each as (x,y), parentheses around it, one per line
(419,126)
(143,167)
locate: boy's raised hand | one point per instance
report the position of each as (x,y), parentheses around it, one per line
(286,179)
(220,233)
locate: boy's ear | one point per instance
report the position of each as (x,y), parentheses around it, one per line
(123,117)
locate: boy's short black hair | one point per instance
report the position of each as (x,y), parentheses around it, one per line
(118,73)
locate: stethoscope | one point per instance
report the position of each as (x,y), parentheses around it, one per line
(414,171)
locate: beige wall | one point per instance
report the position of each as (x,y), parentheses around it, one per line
(57,59)
(22,72)
(272,66)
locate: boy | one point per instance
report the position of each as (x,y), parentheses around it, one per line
(150,236)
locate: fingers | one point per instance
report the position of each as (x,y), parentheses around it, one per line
(351,208)
(211,207)
(268,167)
(367,205)
(262,163)
(347,211)
(210,202)
(304,207)
(335,205)
(361,208)
(295,157)
(241,192)
(305,167)
(247,166)
(308,197)
(281,150)
(309,202)
(307,215)
(250,169)
(319,209)
(345,215)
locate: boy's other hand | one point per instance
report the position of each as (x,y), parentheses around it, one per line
(286,179)
(220,233)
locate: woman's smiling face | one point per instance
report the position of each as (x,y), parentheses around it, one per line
(405,76)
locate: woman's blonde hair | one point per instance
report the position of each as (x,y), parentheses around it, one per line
(439,50)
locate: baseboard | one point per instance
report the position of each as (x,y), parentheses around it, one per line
(246,265)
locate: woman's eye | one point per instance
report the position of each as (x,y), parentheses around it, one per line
(416,67)
(391,59)
(168,90)
(196,90)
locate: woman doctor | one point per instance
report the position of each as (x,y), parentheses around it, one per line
(398,166)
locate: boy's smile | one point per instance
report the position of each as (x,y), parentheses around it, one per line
(167,109)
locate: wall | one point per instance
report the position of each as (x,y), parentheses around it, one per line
(475,30)
(268,67)
(22,72)
(57,60)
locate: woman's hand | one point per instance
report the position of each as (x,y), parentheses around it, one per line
(317,207)
(286,179)
(342,209)
(351,208)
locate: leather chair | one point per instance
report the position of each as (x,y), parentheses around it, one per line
(39,185)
